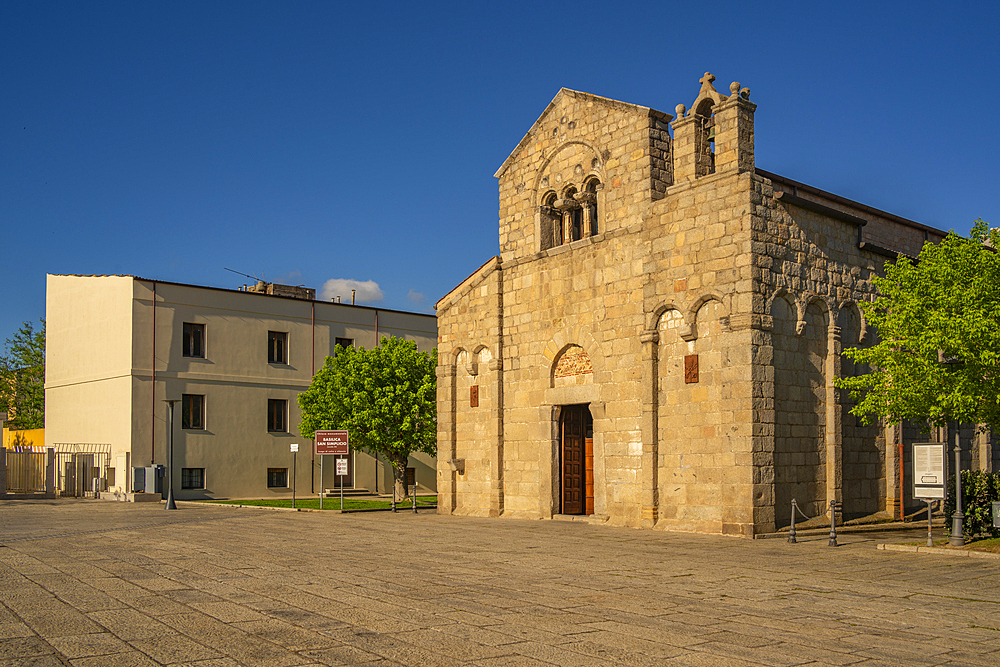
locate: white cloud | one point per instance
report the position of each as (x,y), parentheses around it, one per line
(415,297)
(366,291)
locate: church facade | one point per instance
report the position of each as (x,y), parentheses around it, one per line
(655,343)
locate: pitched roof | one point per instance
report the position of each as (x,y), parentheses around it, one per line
(564,92)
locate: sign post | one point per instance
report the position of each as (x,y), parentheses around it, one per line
(338,444)
(342,472)
(295,454)
(928,476)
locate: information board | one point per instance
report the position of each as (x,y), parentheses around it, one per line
(342,467)
(332,442)
(928,470)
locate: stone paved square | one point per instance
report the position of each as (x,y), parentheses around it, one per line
(100,583)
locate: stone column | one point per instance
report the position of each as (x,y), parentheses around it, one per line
(566,207)
(650,455)
(734,134)
(893,434)
(447,439)
(762,415)
(685,147)
(588,201)
(983,448)
(495,435)
(834,425)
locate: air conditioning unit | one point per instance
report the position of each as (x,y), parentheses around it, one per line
(148,479)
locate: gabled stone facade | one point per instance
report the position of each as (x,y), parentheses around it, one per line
(690,306)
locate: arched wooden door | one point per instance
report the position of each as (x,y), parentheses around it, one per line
(576,429)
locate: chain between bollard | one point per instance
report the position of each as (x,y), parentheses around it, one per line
(833,522)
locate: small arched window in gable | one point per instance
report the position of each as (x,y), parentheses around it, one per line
(572,216)
(588,200)
(550,234)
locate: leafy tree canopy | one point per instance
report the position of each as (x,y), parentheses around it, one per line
(385,397)
(938,323)
(22,378)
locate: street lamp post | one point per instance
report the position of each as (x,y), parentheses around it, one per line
(171,505)
(957,538)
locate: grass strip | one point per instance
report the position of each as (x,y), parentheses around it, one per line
(330,503)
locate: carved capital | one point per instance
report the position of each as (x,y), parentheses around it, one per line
(649,337)
(496,364)
(585,197)
(688,332)
(565,204)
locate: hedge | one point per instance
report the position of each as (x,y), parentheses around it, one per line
(980,490)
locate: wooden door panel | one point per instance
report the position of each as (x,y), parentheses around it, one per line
(573,460)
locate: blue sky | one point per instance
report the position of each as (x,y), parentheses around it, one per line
(307,142)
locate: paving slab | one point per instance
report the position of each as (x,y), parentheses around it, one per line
(88,584)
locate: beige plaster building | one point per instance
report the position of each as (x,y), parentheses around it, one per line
(654,344)
(235,360)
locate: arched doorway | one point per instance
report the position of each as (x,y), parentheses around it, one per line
(576,460)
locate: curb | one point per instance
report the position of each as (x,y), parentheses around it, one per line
(408,509)
(938,551)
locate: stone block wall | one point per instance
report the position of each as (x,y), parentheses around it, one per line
(701,325)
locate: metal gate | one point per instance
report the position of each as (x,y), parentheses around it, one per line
(82,469)
(25,471)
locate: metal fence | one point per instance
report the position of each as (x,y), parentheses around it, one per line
(82,469)
(25,470)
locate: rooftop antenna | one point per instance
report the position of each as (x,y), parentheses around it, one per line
(247,275)
(240,273)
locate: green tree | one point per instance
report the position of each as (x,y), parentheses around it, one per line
(938,323)
(386,398)
(22,378)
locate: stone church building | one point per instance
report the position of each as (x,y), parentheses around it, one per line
(655,343)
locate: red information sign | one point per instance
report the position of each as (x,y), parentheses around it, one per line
(332,442)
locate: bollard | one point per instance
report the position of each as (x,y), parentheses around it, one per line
(833,523)
(414,490)
(394,497)
(791,530)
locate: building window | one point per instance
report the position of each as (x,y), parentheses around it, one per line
(192,478)
(277,347)
(277,415)
(193,411)
(194,340)
(344,343)
(277,478)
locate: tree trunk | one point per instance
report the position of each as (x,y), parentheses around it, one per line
(400,490)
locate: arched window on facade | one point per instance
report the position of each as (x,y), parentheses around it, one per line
(551,219)
(588,199)
(572,216)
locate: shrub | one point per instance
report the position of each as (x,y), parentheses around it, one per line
(980,490)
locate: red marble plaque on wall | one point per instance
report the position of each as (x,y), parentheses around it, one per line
(474,396)
(690,368)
